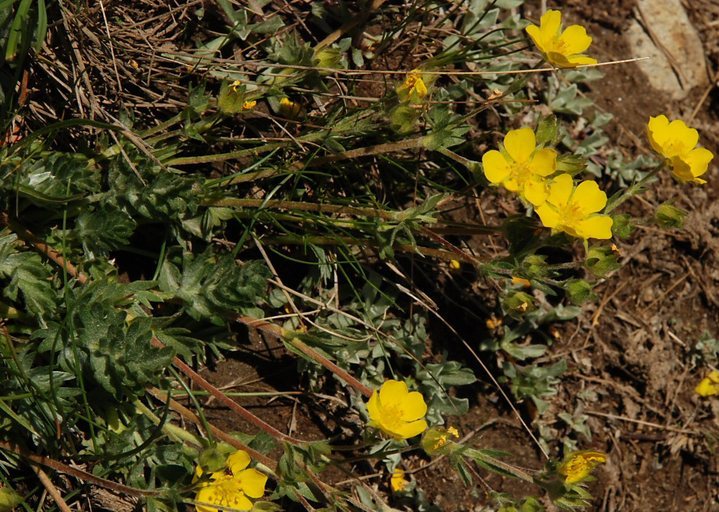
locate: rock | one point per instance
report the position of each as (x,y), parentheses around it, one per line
(664,33)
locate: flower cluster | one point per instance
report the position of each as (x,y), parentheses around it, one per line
(232,486)
(414,88)
(676,142)
(396,411)
(521,167)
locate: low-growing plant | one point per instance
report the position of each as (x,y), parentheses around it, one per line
(290,199)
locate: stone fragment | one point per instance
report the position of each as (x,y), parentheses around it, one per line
(664,33)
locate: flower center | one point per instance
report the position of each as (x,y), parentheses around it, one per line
(392,415)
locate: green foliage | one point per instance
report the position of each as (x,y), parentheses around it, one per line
(214,286)
(26,279)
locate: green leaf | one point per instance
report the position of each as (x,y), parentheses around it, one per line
(579,291)
(547,131)
(213,286)
(28,277)
(104,230)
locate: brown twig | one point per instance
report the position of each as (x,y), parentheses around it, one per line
(77,473)
(51,489)
(190,416)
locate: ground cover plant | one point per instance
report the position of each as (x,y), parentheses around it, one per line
(287,185)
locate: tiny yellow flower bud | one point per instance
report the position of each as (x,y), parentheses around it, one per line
(454,264)
(249,105)
(520,281)
(494,323)
(234,85)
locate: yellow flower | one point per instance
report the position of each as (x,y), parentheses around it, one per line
(396,411)
(574,209)
(523,168)
(562,49)
(709,386)
(249,105)
(676,142)
(493,323)
(397,481)
(578,465)
(413,88)
(455,264)
(234,85)
(232,486)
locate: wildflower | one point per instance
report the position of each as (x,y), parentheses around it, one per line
(396,411)
(397,480)
(676,142)
(455,264)
(413,88)
(573,209)
(234,85)
(437,439)
(709,386)
(521,167)
(232,486)
(249,105)
(562,49)
(578,465)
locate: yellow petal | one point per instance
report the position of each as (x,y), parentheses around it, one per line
(597,226)
(580,60)
(698,160)
(550,24)
(588,197)
(373,407)
(411,429)
(575,40)
(535,191)
(252,482)
(413,407)
(238,461)
(495,166)
(560,190)
(392,392)
(657,131)
(206,495)
(241,502)
(548,215)
(707,387)
(683,137)
(536,34)
(520,144)
(511,184)
(544,162)
(397,481)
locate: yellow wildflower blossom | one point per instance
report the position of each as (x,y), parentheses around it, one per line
(397,480)
(455,264)
(234,85)
(563,49)
(493,323)
(578,465)
(396,411)
(523,168)
(249,105)
(232,486)
(676,142)
(414,88)
(709,386)
(574,209)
